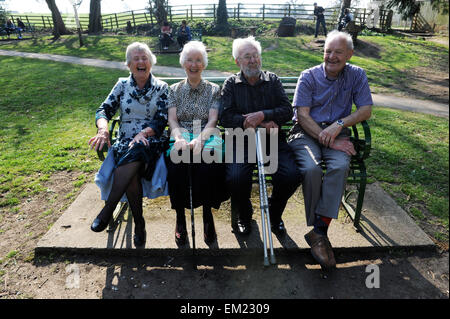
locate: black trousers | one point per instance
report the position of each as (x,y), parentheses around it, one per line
(208,186)
(285,181)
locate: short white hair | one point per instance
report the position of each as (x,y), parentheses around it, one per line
(194,46)
(139,46)
(239,43)
(339,34)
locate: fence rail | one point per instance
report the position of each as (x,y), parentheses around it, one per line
(183,12)
(115,21)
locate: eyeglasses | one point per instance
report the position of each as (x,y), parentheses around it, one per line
(248,57)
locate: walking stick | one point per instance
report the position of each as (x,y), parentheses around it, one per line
(264,203)
(192,207)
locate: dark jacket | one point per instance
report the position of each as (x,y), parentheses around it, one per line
(268,95)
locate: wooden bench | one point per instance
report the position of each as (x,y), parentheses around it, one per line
(352,29)
(196,34)
(29,29)
(361,138)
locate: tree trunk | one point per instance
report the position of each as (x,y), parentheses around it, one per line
(345,4)
(59,27)
(160,11)
(95,17)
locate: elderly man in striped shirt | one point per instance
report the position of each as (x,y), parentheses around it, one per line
(323,114)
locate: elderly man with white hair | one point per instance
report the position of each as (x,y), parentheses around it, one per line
(323,114)
(253,98)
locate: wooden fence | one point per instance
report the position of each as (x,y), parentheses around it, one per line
(185,12)
(116,21)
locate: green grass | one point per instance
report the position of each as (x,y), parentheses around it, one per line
(46,123)
(393,55)
(410,159)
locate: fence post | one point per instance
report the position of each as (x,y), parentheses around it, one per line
(43,21)
(187,14)
(145,15)
(191,11)
(170,10)
(214,12)
(117,21)
(239,9)
(134,22)
(28,21)
(264,8)
(48,20)
(289,10)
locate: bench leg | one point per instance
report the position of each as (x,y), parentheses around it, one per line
(355,214)
(117,216)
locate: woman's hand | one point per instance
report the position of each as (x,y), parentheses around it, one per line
(98,141)
(180,144)
(196,146)
(139,137)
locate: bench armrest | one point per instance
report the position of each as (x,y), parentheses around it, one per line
(101,152)
(362,146)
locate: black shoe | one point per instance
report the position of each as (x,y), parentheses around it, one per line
(140,238)
(209,232)
(278,229)
(98,225)
(242,228)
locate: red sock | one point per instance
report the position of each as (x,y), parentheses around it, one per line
(326,220)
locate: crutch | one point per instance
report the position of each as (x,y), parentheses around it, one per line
(264,203)
(191,205)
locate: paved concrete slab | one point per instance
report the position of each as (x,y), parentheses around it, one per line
(412,105)
(384,225)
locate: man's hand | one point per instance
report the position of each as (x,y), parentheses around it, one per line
(253,119)
(343,144)
(270,126)
(328,135)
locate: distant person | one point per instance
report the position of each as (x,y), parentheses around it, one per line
(184,34)
(323,104)
(318,12)
(20,24)
(166,35)
(10,28)
(348,17)
(129,27)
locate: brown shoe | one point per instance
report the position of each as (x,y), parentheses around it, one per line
(321,249)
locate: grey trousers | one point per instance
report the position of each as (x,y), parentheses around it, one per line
(322,192)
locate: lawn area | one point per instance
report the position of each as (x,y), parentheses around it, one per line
(386,65)
(47,111)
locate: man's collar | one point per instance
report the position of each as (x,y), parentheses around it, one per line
(240,78)
(341,74)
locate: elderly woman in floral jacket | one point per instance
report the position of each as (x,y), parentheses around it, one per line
(141,99)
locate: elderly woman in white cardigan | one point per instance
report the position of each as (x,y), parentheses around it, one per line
(141,99)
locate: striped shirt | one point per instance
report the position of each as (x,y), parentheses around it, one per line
(331,100)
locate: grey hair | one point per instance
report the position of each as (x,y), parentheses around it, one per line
(192,46)
(339,34)
(139,46)
(239,43)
